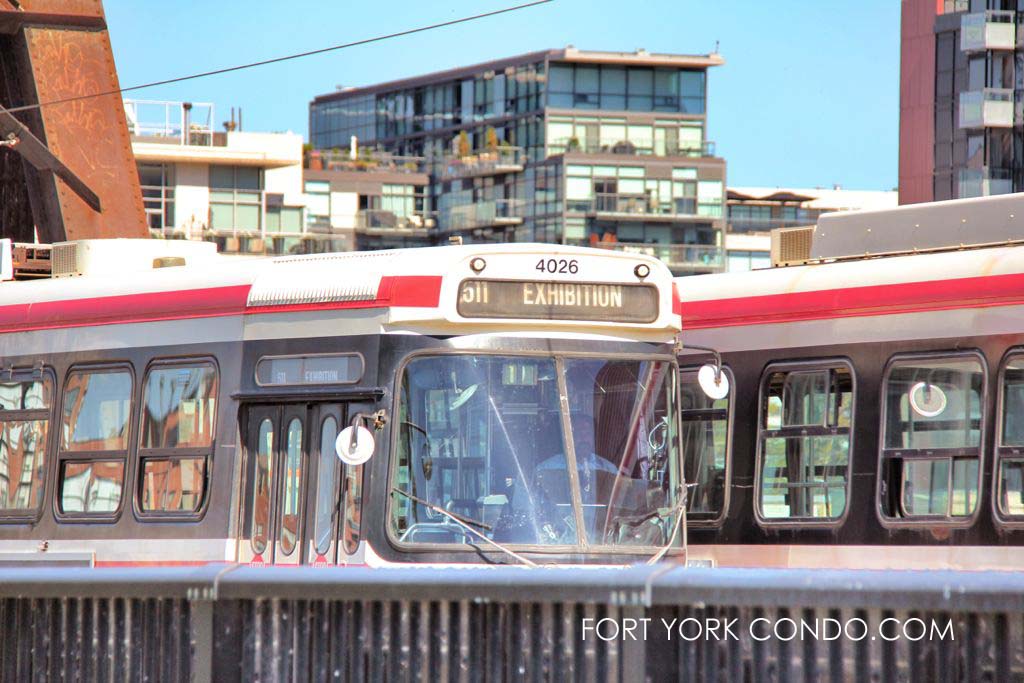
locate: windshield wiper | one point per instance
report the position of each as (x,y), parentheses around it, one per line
(467,524)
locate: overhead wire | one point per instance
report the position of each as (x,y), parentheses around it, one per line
(285,58)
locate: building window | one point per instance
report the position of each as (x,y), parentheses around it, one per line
(157,182)
(932,419)
(741,261)
(97,407)
(284,219)
(236,199)
(617,88)
(804,442)
(706,442)
(25,402)
(179,419)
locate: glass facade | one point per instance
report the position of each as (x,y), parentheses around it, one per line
(548,114)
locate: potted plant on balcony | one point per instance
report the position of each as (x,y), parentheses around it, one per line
(463,144)
(314,161)
(573,145)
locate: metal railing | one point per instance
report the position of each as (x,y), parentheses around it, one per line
(635,147)
(173,122)
(675,256)
(634,204)
(484,214)
(503,159)
(365,160)
(388,221)
(224,623)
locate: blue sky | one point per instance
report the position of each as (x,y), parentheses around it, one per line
(809,94)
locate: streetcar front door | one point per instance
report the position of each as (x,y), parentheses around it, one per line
(292,484)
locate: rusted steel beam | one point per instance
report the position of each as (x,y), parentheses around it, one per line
(64,52)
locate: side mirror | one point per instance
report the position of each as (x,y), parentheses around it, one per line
(713,382)
(354,445)
(927,400)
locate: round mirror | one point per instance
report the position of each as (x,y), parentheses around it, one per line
(354,445)
(927,400)
(464,396)
(714,383)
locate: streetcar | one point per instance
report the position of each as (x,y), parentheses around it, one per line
(875,410)
(498,404)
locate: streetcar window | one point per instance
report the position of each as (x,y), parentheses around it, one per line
(97,407)
(259,521)
(488,438)
(179,413)
(91,486)
(705,430)
(24,427)
(353,508)
(327,473)
(804,443)
(932,425)
(179,406)
(290,505)
(1010,449)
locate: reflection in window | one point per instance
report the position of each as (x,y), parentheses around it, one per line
(484,436)
(259,521)
(804,443)
(292,487)
(1010,450)
(91,486)
(932,437)
(705,427)
(353,508)
(179,407)
(327,473)
(97,407)
(24,423)
(172,484)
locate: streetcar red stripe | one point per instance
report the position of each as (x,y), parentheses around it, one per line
(909,297)
(398,291)
(127,308)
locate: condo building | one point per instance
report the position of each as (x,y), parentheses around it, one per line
(566,146)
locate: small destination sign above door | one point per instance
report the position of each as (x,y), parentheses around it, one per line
(532,299)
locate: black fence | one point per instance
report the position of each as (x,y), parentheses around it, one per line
(224,623)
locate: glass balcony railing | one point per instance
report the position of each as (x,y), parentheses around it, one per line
(990,30)
(491,162)
(984,182)
(986,108)
(496,212)
(694,257)
(746,224)
(378,220)
(633,147)
(174,123)
(641,205)
(365,159)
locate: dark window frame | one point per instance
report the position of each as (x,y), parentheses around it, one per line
(65,456)
(790,366)
(40,372)
(142,455)
(1001,451)
(730,411)
(930,521)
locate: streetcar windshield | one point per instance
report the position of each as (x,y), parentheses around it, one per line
(529,450)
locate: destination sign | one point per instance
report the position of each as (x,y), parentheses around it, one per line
(530,299)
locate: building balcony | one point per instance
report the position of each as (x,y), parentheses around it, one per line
(380,222)
(767,224)
(365,160)
(984,182)
(986,108)
(500,160)
(642,207)
(634,147)
(678,257)
(494,213)
(991,30)
(173,123)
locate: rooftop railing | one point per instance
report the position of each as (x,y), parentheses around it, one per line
(182,123)
(676,256)
(365,160)
(633,147)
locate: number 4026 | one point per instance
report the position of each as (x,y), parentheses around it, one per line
(560,265)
